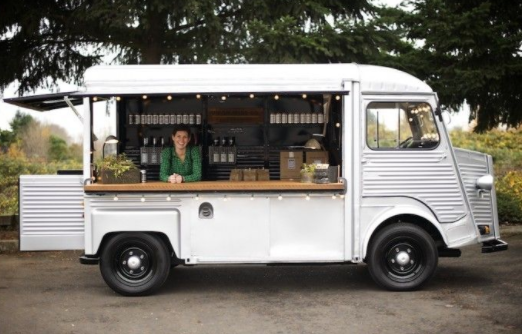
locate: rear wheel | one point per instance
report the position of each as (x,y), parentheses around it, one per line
(402,257)
(135,264)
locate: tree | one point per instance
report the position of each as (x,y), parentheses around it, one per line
(58,150)
(467,51)
(59,39)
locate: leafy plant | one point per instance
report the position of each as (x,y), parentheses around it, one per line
(307,168)
(116,164)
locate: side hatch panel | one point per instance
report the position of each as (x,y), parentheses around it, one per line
(51,212)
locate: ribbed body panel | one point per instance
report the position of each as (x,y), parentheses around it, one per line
(51,206)
(474,165)
(426,176)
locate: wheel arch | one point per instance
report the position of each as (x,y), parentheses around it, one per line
(162,236)
(411,215)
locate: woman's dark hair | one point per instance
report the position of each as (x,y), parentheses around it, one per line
(181,127)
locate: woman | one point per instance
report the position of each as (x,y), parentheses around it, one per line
(180,163)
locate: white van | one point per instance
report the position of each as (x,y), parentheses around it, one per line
(394,193)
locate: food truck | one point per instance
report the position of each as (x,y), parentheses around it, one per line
(388,189)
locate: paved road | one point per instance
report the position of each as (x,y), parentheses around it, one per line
(53,293)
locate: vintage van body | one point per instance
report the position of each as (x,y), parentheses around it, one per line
(400,195)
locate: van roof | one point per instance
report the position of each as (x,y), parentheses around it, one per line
(246,78)
(152,80)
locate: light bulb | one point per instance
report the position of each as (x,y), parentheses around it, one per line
(280,197)
(143,198)
(144,97)
(169,97)
(198,96)
(337,97)
(251,96)
(276,97)
(304,96)
(115,197)
(168,198)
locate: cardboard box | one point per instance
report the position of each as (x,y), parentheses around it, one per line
(290,165)
(317,157)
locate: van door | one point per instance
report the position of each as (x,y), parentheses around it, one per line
(406,155)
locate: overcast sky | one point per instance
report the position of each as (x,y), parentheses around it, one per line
(68,120)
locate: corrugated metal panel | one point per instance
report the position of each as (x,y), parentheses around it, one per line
(427,176)
(474,165)
(51,212)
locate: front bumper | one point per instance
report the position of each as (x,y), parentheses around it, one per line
(495,245)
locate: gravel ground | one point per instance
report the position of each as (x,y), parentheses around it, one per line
(50,292)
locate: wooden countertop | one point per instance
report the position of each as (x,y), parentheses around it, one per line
(215,186)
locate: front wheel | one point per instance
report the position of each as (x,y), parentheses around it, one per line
(135,264)
(402,257)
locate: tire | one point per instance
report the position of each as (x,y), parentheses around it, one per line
(402,257)
(135,264)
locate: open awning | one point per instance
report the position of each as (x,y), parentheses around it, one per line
(46,102)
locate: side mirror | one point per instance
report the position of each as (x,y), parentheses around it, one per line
(485,182)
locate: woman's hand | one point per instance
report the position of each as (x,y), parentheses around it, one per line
(175,178)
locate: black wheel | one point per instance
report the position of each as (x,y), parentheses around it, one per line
(135,264)
(402,257)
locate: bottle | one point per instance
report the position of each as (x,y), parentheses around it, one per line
(144,152)
(154,152)
(131,119)
(198,119)
(215,153)
(192,119)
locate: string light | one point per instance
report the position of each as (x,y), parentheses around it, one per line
(95,99)
(276,97)
(304,96)
(198,96)
(118,98)
(223,98)
(169,97)
(252,96)
(337,97)
(144,97)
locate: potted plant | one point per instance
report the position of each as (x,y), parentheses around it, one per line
(307,173)
(118,169)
